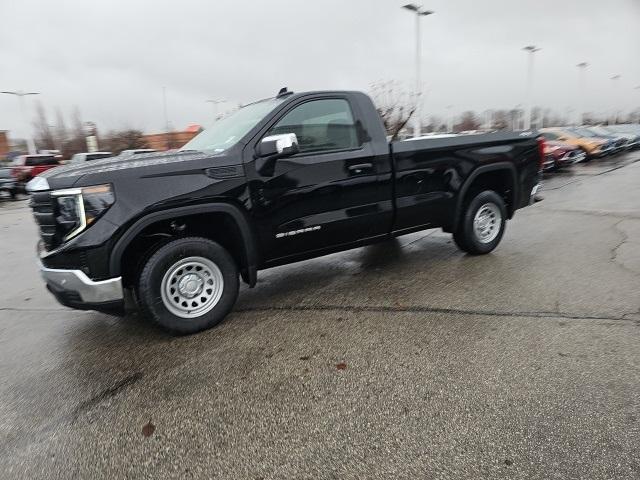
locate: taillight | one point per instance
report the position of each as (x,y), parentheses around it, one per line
(541,148)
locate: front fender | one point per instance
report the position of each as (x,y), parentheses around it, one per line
(250,247)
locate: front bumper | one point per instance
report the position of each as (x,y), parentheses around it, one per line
(74,289)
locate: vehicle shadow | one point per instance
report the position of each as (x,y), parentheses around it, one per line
(357,268)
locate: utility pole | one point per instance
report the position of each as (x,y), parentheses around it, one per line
(417,121)
(167,128)
(31,146)
(214,103)
(614,115)
(583,73)
(531,49)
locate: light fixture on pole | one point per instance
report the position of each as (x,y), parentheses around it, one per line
(583,72)
(614,112)
(214,102)
(31,146)
(532,49)
(419,12)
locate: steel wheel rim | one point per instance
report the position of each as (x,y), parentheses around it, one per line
(191,287)
(487,222)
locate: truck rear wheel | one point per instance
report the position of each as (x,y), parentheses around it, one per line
(482,225)
(188,285)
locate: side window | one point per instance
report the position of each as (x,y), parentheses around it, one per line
(550,136)
(320,125)
(51,161)
(31,161)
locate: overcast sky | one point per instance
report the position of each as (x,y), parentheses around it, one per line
(112,58)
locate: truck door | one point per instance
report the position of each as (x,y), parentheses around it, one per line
(325,195)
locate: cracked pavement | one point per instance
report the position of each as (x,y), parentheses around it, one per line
(405,359)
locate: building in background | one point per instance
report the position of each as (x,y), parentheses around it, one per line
(171,140)
(4,144)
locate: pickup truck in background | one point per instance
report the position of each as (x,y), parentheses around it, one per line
(278,181)
(26,167)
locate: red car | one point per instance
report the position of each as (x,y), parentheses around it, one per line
(558,155)
(25,167)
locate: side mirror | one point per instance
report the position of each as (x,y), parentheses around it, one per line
(282,145)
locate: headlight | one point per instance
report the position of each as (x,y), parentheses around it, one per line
(77,208)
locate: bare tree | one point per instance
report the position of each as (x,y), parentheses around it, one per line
(119,140)
(501,120)
(43,137)
(394,104)
(76,142)
(60,133)
(436,124)
(468,121)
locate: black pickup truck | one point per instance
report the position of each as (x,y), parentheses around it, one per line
(280,180)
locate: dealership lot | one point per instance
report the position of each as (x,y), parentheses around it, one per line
(406,359)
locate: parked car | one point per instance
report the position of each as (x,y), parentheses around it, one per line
(137,151)
(619,142)
(26,167)
(559,155)
(8,183)
(612,145)
(55,153)
(592,148)
(632,140)
(632,128)
(89,156)
(278,181)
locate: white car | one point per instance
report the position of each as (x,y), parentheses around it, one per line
(137,151)
(88,156)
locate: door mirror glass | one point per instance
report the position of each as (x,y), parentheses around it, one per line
(281,145)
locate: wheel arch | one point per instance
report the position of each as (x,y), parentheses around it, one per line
(483,172)
(249,248)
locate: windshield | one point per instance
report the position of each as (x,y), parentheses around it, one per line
(227,131)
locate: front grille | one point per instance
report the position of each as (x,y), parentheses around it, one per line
(43,208)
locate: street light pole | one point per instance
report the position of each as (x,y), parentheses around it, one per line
(583,72)
(527,120)
(31,146)
(419,12)
(614,114)
(638,90)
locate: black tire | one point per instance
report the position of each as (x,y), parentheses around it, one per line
(465,236)
(13,193)
(150,285)
(587,157)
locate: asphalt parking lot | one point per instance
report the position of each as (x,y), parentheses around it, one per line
(406,359)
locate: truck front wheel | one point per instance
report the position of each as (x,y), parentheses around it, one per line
(482,224)
(188,285)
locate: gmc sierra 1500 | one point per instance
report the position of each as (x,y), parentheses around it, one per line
(278,181)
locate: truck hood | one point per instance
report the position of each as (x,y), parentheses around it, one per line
(139,165)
